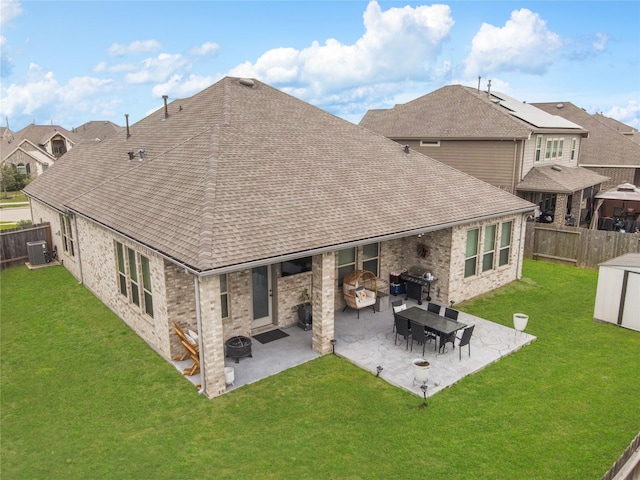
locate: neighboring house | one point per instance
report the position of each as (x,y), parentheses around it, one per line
(96,130)
(626,130)
(217,211)
(505,142)
(605,151)
(36,147)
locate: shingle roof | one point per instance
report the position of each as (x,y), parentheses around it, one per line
(241,173)
(455,112)
(36,134)
(604,146)
(552,178)
(96,130)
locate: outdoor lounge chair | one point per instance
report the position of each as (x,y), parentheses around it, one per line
(360,289)
(191,350)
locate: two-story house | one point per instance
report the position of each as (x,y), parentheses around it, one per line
(217,211)
(507,143)
(608,151)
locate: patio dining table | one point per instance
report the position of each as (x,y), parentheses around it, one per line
(441,326)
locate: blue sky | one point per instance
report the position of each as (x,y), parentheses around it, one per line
(66,63)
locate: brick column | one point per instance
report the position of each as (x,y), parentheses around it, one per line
(561,209)
(322,297)
(212,336)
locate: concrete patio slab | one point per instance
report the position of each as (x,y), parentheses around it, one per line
(368,342)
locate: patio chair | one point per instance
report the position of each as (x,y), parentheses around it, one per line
(434,308)
(451,313)
(402,329)
(420,335)
(465,340)
(396,306)
(183,338)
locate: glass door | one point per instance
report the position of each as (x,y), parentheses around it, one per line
(261,296)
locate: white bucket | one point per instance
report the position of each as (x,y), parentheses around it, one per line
(520,321)
(421,370)
(229,375)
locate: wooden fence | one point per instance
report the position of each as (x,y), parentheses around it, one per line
(577,246)
(13,242)
(627,467)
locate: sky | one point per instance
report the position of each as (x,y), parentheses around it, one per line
(69,62)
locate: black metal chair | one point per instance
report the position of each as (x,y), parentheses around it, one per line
(420,335)
(451,313)
(434,308)
(465,340)
(402,329)
(394,304)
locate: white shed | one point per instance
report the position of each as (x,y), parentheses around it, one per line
(618,294)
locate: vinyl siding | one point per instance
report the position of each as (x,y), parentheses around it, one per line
(490,161)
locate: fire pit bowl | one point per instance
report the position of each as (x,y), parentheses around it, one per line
(238,347)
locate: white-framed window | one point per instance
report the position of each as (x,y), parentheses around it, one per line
(553,149)
(68,244)
(560,146)
(489,247)
(471,253)
(224,295)
(22,169)
(493,237)
(346,263)
(505,243)
(429,143)
(573,148)
(134,278)
(547,150)
(538,147)
(370,258)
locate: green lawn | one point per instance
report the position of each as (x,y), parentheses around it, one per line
(83,397)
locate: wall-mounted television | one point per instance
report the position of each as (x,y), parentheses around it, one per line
(293,267)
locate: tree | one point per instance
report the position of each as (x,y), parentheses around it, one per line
(11,179)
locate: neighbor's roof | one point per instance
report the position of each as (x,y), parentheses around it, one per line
(96,130)
(242,172)
(619,127)
(559,179)
(36,134)
(626,260)
(605,146)
(459,112)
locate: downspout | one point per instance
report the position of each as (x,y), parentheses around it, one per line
(515,160)
(75,224)
(523,229)
(196,286)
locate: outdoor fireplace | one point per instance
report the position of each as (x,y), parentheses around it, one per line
(238,347)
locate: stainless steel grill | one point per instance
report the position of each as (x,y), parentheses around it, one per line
(417,277)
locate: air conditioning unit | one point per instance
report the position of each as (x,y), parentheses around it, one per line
(36,252)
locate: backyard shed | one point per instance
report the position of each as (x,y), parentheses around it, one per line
(617,299)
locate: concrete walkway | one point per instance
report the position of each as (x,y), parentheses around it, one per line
(368,342)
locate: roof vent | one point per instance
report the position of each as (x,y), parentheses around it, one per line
(556,168)
(560,105)
(406,149)
(247,82)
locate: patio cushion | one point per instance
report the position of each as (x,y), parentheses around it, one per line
(399,308)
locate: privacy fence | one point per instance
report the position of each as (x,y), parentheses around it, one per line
(13,242)
(577,246)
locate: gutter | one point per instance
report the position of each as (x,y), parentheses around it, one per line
(315,251)
(196,286)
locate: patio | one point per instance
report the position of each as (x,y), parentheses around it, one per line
(368,342)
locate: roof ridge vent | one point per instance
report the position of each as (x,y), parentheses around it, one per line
(247,82)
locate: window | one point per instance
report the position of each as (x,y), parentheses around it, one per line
(22,170)
(489,247)
(538,147)
(554,151)
(224,296)
(560,146)
(127,263)
(505,243)
(133,277)
(146,286)
(346,263)
(429,143)
(122,269)
(370,256)
(547,150)
(67,235)
(471,256)
(573,148)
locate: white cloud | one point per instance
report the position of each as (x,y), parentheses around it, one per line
(398,43)
(179,87)
(158,69)
(24,99)
(134,48)
(119,67)
(9,10)
(207,48)
(629,113)
(600,42)
(524,44)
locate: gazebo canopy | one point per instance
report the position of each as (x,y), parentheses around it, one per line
(626,191)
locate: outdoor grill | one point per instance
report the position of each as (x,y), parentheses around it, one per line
(415,279)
